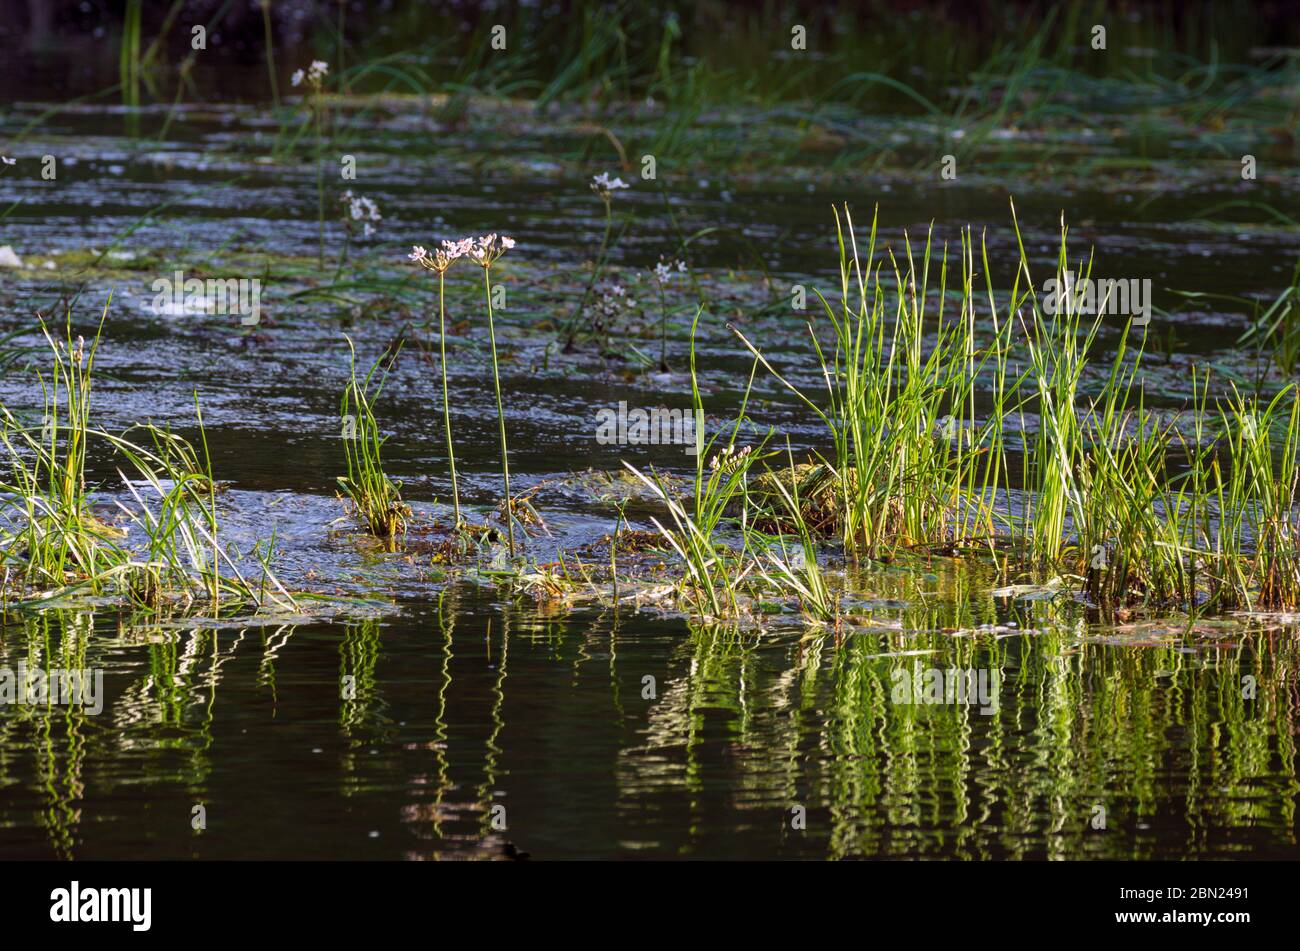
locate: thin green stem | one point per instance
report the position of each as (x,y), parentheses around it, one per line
(501,416)
(320,181)
(446,403)
(591,282)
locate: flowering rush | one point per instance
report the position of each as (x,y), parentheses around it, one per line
(490,247)
(315,73)
(442,257)
(604,186)
(665,270)
(361,209)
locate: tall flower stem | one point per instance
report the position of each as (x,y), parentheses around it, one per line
(320,183)
(446,405)
(501,417)
(663,330)
(595,273)
(343,255)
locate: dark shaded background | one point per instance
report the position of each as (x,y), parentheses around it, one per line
(58,49)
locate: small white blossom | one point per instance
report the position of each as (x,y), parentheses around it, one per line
(665,270)
(457,249)
(315,74)
(360,208)
(604,186)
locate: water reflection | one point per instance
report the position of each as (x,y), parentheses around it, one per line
(478,726)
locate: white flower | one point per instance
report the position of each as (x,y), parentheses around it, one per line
(457,249)
(665,270)
(603,185)
(315,74)
(360,208)
(489,248)
(442,258)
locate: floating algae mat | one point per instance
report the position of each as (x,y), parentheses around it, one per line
(415,460)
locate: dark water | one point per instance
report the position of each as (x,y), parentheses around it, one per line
(550,717)
(1132,741)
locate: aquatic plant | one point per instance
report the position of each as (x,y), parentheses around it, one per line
(485,253)
(314,76)
(52,535)
(268,42)
(439,262)
(714,574)
(798,571)
(605,189)
(376,499)
(914,466)
(663,274)
(129,69)
(359,214)
(900,461)
(1277,327)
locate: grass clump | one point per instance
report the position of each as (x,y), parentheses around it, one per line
(375,499)
(55,538)
(1114,494)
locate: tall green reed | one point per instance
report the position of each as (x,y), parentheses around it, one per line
(376,498)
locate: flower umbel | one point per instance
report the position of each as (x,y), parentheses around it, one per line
(665,270)
(488,248)
(315,74)
(359,208)
(442,258)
